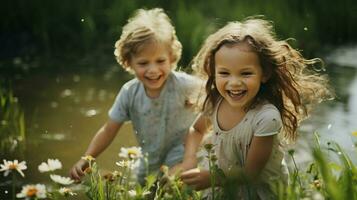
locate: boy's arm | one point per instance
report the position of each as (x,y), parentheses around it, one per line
(99,143)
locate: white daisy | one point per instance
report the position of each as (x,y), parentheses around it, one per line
(37,191)
(61,180)
(66,191)
(132,193)
(129,163)
(8,166)
(51,165)
(131,152)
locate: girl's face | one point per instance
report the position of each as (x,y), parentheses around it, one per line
(238,74)
(151,66)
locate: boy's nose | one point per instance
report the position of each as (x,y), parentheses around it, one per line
(153,68)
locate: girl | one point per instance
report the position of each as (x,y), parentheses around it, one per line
(158,101)
(258,90)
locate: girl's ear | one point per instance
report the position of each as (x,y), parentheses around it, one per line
(265,79)
(266,76)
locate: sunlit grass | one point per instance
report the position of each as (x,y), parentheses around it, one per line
(12,123)
(325,177)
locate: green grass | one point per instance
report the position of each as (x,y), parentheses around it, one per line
(12,123)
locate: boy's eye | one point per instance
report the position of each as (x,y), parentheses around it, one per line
(142,63)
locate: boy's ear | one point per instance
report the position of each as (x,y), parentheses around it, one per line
(126,63)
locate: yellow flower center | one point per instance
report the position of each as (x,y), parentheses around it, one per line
(12,166)
(132,153)
(31,192)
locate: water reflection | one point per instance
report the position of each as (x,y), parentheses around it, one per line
(336,120)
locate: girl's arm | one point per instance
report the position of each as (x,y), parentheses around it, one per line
(258,155)
(99,143)
(192,143)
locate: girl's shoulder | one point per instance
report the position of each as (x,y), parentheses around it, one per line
(266,119)
(265,108)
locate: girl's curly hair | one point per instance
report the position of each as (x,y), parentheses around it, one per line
(293,85)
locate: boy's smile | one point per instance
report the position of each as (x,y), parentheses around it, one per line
(152,65)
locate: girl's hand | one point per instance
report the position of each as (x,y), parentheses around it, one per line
(77,170)
(181,167)
(197,178)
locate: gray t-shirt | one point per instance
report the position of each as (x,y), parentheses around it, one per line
(231,148)
(160,124)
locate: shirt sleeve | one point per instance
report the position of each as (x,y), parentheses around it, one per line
(119,111)
(192,87)
(267,122)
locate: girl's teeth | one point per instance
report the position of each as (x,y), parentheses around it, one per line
(235,92)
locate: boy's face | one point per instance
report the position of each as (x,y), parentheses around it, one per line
(151,66)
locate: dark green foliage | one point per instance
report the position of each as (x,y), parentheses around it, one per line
(68,28)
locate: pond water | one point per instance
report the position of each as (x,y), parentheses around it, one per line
(64,108)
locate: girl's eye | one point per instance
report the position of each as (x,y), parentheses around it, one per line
(247,73)
(223,73)
(161,61)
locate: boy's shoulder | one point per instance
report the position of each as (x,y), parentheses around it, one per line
(183,78)
(181,75)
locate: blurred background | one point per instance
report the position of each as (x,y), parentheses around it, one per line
(58,75)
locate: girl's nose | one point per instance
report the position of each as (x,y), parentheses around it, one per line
(235,81)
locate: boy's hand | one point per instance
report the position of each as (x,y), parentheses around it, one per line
(77,170)
(197,178)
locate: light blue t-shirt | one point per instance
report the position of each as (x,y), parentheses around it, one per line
(160,124)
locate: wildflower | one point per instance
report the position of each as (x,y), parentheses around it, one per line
(214,158)
(317,184)
(37,191)
(208,146)
(61,180)
(13,165)
(131,152)
(164,169)
(132,193)
(354,133)
(88,158)
(131,164)
(66,191)
(291,152)
(122,163)
(51,165)
(88,170)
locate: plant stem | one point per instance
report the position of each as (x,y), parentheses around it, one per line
(13,185)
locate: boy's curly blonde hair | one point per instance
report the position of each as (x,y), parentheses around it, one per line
(147,27)
(293,85)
